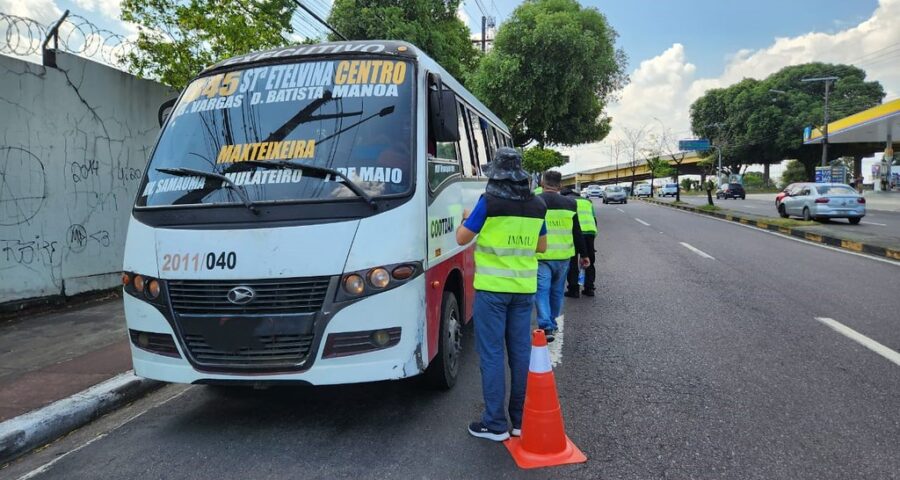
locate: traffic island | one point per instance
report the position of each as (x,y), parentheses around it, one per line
(809,231)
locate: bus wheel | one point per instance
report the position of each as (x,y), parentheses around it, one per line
(442,371)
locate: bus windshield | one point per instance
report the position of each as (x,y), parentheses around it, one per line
(354,116)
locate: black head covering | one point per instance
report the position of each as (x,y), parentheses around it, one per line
(506,178)
(507,165)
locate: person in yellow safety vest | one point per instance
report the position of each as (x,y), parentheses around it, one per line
(564,239)
(588,221)
(509,222)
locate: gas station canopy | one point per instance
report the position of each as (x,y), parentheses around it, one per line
(877,124)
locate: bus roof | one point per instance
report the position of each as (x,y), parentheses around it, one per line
(392,48)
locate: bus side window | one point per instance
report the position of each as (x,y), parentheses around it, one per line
(481,155)
(485,128)
(467,155)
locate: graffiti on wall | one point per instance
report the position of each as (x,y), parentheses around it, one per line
(69,171)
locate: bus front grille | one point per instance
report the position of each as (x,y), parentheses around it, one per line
(274,351)
(284,296)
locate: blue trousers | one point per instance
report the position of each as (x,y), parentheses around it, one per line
(551,286)
(503,319)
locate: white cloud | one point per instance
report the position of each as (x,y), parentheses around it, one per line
(109,8)
(44,11)
(665,86)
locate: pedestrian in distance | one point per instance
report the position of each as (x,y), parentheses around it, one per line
(587,220)
(509,222)
(564,239)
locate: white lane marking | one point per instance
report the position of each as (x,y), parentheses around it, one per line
(642,222)
(873,223)
(619,209)
(861,339)
(697,250)
(43,468)
(788,237)
(555,346)
(749,206)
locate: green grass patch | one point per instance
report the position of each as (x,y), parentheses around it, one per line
(709,208)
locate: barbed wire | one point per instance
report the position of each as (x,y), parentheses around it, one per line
(23,37)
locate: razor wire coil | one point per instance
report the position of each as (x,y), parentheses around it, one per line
(23,37)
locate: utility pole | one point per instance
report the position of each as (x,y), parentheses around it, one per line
(483,33)
(827,81)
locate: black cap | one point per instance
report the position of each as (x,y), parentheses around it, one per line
(507,165)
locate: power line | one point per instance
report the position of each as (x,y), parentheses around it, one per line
(319,19)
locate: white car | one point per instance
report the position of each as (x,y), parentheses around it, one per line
(643,190)
(823,201)
(592,191)
(667,190)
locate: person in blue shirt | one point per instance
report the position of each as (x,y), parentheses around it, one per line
(509,222)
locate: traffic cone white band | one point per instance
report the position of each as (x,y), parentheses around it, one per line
(540,360)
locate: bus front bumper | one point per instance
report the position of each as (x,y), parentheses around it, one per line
(402,307)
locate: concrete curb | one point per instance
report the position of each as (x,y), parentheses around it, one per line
(26,432)
(837,242)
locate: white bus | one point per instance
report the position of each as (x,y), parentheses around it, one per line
(296,220)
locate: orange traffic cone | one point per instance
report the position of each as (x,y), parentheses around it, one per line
(543,442)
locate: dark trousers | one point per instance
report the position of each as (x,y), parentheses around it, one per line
(590,273)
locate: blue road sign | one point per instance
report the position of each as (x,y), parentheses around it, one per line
(689,145)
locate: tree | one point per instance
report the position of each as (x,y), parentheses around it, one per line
(660,168)
(754,125)
(431,25)
(634,143)
(754,180)
(794,172)
(177,39)
(552,71)
(708,167)
(668,145)
(539,160)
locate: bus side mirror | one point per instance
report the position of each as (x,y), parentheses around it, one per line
(165,110)
(443,116)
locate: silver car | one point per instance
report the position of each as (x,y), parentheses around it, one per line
(822,201)
(614,194)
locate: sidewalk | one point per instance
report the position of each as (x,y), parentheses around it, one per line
(49,356)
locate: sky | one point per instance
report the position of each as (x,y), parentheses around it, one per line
(676,49)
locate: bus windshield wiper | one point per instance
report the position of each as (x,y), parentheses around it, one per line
(329,171)
(187,172)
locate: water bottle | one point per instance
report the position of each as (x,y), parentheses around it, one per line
(581,276)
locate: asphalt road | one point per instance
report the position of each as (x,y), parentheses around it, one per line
(700,357)
(876,224)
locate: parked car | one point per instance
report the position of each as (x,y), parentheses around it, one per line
(822,201)
(668,190)
(614,194)
(731,190)
(592,191)
(643,190)
(783,193)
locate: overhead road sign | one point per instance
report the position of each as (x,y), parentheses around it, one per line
(693,145)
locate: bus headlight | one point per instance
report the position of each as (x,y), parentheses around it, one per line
(143,287)
(379,277)
(354,284)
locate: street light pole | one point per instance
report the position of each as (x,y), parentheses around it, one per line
(827,81)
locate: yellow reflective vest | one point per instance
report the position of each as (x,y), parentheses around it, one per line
(586,218)
(505,256)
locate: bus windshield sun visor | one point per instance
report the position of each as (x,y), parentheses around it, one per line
(321,171)
(223,180)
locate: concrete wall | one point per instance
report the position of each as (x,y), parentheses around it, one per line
(73,145)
